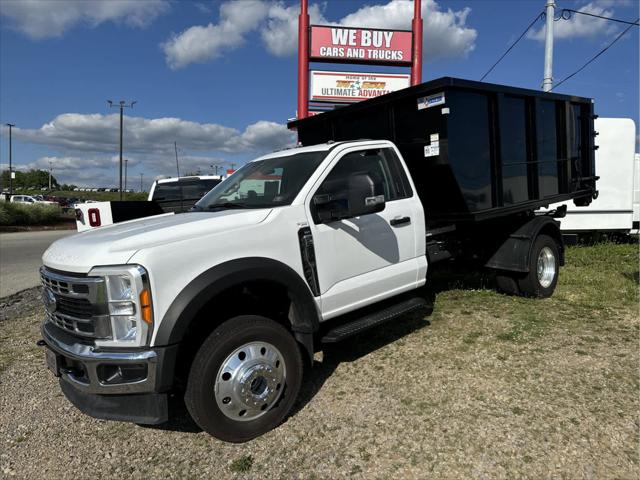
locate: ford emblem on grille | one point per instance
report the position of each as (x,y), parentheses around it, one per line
(49,299)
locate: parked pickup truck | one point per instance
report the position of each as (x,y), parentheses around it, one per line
(177,194)
(225,304)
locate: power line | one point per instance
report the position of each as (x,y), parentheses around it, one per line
(596,55)
(569,11)
(513,45)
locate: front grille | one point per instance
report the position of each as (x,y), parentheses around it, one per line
(76,307)
(57,286)
(76,304)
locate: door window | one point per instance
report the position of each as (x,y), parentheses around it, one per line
(381,164)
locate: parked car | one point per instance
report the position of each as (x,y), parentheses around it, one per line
(29,200)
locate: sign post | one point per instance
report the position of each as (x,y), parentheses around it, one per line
(337,44)
(303,61)
(416,26)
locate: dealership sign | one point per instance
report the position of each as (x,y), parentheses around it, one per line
(353,87)
(359,45)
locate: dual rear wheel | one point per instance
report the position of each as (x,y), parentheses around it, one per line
(542,278)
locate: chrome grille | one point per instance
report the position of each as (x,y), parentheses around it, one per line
(76,304)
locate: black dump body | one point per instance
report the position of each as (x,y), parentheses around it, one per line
(476,150)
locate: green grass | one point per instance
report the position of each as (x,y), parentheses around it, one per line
(598,281)
(15,214)
(242,464)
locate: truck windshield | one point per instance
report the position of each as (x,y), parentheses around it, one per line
(264,183)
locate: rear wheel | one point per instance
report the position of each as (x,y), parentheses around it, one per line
(244,379)
(507,283)
(544,265)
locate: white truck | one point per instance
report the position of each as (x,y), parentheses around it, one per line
(617,208)
(177,194)
(223,305)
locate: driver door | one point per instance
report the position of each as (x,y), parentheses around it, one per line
(373,256)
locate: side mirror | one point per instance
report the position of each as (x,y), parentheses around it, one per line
(359,195)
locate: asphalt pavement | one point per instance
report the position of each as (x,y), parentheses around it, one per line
(21,257)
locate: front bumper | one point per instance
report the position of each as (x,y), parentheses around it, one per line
(128,385)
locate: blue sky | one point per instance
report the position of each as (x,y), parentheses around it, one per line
(219,77)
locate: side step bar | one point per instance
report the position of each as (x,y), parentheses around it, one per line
(374,319)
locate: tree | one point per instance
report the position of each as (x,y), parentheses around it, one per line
(32,178)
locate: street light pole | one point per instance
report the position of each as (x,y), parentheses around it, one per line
(10,125)
(125,174)
(141,174)
(49,176)
(175,145)
(122,105)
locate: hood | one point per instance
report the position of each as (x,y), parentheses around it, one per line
(116,244)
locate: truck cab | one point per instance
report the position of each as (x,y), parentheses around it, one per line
(232,296)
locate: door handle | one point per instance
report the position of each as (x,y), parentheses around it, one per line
(396,222)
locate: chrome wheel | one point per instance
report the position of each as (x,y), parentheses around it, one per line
(250,381)
(546,267)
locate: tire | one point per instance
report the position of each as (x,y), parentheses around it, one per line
(251,353)
(507,283)
(544,266)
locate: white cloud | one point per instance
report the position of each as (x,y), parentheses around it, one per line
(280,32)
(446,33)
(44,18)
(87,146)
(580,26)
(199,44)
(100,133)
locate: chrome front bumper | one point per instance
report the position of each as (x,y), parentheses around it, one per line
(95,371)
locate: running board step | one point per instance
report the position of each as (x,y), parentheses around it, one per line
(374,319)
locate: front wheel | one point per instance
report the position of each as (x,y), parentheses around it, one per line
(544,265)
(244,379)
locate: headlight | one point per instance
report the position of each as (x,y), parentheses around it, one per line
(128,298)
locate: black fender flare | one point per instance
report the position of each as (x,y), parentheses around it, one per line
(515,252)
(214,281)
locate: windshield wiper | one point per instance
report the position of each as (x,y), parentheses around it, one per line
(227,205)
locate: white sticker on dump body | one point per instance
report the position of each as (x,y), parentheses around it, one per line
(431,101)
(432,150)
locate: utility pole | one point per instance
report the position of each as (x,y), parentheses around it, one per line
(122,105)
(141,174)
(175,145)
(49,176)
(547,82)
(10,125)
(125,174)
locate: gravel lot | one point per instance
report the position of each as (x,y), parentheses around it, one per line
(489,386)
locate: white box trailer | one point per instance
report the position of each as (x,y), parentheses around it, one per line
(617,207)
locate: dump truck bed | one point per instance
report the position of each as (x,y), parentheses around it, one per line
(476,150)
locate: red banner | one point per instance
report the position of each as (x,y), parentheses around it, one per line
(360,45)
